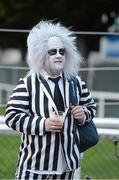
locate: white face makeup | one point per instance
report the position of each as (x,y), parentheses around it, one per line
(55,58)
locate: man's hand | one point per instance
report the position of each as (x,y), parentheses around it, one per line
(78,113)
(52,124)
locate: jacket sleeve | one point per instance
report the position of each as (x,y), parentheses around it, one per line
(86,101)
(17,115)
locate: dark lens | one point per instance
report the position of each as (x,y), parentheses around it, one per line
(52,52)
(62,51)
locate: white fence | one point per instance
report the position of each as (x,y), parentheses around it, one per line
(107,127)
(101,96)
(5,91)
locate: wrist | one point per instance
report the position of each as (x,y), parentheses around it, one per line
(83,120)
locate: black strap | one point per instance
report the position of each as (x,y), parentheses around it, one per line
(74,84)
(73,92)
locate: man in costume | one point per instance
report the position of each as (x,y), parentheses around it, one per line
(50,149)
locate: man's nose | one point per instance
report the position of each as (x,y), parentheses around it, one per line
(58,55)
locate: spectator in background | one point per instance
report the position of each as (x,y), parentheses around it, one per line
(49,147)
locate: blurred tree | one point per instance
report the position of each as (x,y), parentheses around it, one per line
(83,15)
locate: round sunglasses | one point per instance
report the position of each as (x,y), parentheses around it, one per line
(52,52)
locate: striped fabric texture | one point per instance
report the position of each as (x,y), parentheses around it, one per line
(27,109)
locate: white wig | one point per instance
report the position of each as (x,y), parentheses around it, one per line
(37,47)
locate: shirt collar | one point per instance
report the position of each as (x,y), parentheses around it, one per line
(46,76)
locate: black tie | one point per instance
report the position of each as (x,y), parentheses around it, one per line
(58,99)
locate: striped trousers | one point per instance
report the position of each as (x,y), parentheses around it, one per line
(31,176)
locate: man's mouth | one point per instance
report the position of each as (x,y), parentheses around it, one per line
(58,62)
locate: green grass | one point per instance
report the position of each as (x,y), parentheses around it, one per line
(9,147)
(2,110)
(98,162)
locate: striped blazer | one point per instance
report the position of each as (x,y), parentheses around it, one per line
(26,112)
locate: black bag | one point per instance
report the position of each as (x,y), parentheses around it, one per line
(87,132)
(88,135)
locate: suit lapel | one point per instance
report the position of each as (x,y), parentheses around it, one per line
(46,89)
(42,80)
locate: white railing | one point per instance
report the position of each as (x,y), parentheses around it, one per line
(4,129)
(7,88)
(102,96)
(107,127)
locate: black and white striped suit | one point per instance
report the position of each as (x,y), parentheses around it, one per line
(26,112)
